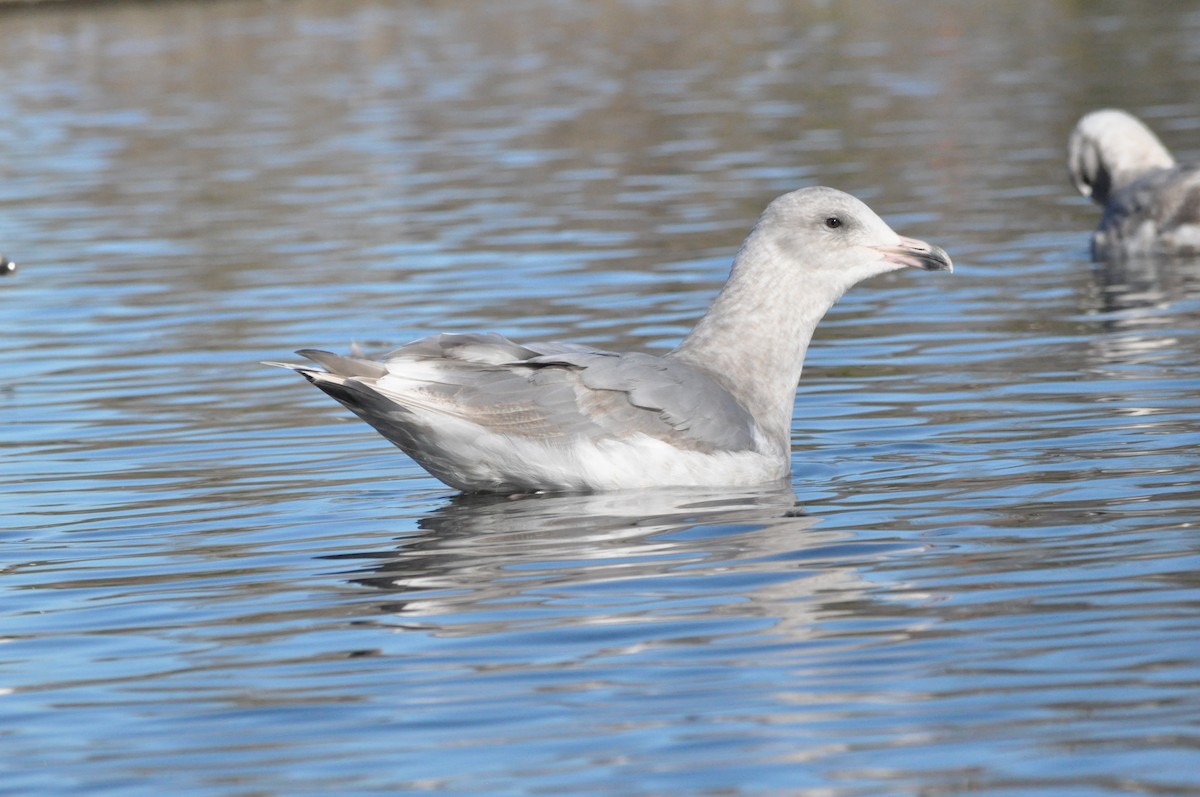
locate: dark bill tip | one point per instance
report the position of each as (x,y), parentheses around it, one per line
(917,254)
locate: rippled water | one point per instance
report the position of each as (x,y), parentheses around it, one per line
(215,581)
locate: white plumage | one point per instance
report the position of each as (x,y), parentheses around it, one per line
(485,414)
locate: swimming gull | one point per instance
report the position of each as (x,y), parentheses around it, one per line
(1151,203)
(485,414)
(7,266)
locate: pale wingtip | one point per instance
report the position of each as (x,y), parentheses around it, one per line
(305,353)
(289,366)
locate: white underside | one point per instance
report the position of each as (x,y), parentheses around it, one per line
(469,457)
(465,456)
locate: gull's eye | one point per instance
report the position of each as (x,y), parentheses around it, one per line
(833,222)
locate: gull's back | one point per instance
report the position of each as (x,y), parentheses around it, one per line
(483,413)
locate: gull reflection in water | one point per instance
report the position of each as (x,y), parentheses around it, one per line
(482,564)
(1138,302)
(1145,282)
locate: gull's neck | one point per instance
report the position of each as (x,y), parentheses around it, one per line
(754,336)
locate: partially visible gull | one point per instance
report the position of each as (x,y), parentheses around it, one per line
(7,266)
(485,414)
(1151,203)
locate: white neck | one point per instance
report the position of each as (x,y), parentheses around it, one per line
(754,336)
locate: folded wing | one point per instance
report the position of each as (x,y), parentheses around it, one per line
(552,392)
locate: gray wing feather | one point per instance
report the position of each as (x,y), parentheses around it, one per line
(1164,205)
(549,391)
(485,349)
(344,366)
(679,397)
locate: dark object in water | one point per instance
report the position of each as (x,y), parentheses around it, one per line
(7,266)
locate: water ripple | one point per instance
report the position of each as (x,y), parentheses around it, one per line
(980,578)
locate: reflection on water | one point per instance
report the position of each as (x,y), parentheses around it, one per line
(1144,282)
(981,578)
(1139,303)
(478,550)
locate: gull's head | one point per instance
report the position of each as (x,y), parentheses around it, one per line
(1110,149)
(840,240)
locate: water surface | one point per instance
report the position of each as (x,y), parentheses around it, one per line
(982,577)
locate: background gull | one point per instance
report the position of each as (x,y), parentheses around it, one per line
(1151,204)
(485,414)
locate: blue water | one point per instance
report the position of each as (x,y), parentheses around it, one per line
(213,580)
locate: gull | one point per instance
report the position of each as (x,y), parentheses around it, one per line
(485,414)
(1151,203)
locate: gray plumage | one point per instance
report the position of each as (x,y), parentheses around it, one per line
(585,393)
(1151,203)
(485,414)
